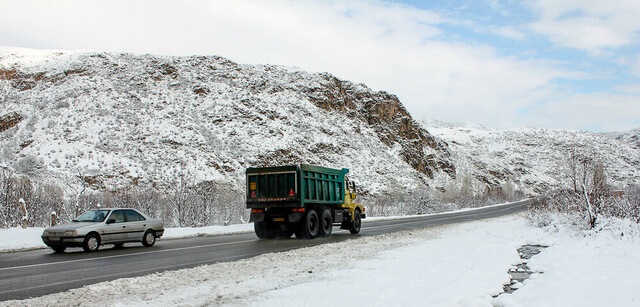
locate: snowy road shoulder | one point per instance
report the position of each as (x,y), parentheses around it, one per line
(18,239)
(455,265)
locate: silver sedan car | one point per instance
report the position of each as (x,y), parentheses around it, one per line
(98,227)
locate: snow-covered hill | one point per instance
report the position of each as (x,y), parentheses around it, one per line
(535,159)
(117,120)
(631,137)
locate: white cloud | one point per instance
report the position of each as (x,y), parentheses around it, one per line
(508,32)
(597,112)
(391,47)
(591,25)
(629,88)
(394,48)
(635,65)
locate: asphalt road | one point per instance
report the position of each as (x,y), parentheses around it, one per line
(40,272)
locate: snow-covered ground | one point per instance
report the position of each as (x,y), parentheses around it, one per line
(455,265)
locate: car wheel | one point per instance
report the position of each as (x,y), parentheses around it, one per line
(91,243)
(149,238)
(58,248)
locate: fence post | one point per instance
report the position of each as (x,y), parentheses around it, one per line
(54,218)
(23,210)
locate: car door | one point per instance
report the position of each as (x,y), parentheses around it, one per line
(116,228)
(136,225)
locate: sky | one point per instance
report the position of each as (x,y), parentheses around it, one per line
(560,64)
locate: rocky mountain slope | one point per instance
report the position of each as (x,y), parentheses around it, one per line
(534,159)
(631,137)
(116,120)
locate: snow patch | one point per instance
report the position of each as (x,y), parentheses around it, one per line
(455,265)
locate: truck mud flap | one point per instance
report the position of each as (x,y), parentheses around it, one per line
(256,217)
(295,217)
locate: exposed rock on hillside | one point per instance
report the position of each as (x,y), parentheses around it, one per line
(535,159)
(8,121)
(123,119)
(112,121)
(632,137)
(389,119)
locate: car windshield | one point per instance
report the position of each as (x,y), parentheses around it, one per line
(92,216)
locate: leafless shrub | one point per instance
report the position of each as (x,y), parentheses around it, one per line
(428,201)
(385,204)
(587,193)
(204,204)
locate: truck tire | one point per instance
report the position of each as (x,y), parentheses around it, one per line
(309,227)
(262,231)
(326,223)
(356,224)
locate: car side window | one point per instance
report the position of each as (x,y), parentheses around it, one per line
(133,216)
(118,216)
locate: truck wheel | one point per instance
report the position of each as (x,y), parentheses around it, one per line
(310,226)
(356,224)
(326,223)
(261,230)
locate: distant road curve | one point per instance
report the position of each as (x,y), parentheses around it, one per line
(36,273)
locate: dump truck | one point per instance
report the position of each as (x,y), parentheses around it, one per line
(304,200)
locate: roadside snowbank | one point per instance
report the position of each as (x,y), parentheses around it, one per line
(18,239)
(455,265)
(15,239)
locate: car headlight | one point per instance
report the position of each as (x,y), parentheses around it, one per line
(71,233)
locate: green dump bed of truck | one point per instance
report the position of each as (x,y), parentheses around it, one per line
(294,186)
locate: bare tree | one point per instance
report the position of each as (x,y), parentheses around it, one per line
(46,198)
(587,189)
(13,187)
(6,187)
(626,204)
(76,205)
(180,199)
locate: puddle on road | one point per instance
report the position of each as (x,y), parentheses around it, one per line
(521,272)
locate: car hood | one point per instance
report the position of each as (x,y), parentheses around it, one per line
(70,226)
